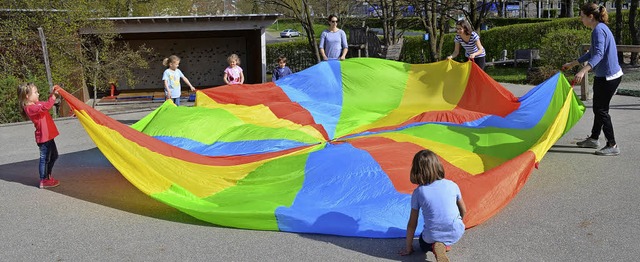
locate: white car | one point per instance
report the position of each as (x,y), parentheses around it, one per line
(289,33)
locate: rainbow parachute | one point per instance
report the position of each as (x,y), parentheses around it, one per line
(328,150)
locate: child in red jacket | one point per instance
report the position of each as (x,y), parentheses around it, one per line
(46,131)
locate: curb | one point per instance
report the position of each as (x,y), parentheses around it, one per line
(628,92)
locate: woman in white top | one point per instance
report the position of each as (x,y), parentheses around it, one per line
(470,41)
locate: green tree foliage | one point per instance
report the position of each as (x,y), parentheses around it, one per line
(21,54)
(124,8)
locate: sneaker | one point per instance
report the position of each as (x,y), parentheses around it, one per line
(46,183)
(440,251)
(608,151)
(589,143)
(53,180)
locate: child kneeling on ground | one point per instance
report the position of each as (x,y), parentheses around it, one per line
(442,207)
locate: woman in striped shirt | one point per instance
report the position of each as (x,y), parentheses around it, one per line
(470,41)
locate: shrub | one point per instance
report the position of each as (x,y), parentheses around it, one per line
(537,75)
(500,21)
(417,51)
(299,57)
(522,36)
(559,47)
(9,109)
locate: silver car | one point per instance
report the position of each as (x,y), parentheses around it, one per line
(289,33)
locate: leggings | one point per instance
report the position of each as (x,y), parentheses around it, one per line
(480,61)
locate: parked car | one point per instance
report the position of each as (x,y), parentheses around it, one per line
(289,33)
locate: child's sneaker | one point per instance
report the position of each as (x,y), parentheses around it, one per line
(440,251)
(46,183)
(608,151)
(53,180)
(589,143)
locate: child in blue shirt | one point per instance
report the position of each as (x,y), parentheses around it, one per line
(282,69)
(442,207)
(171,78)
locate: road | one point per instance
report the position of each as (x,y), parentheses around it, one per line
(274,37)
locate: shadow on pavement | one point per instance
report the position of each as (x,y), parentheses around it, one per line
(88,175)
(386,248)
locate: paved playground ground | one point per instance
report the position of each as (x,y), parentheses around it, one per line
(576,207)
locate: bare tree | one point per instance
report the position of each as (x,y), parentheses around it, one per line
(434,17)
(389,12)
(633,28)
(300,11)
(475,14)
(618,28)
(568,6)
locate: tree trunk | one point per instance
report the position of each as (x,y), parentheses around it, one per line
(633,28)
(618,30)
(433,42)
(473,13)
(311,35)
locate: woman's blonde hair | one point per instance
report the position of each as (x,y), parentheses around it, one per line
(169,60)
(24,91)
(426,168)
(599,12)
(233,57)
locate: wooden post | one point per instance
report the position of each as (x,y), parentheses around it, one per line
(45,53)
(585,90)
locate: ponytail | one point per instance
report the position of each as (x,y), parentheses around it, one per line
(599,12)
(169,60)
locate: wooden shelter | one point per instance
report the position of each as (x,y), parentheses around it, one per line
(202,42)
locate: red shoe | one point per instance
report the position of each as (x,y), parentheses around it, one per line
(53,180)
(46,183)
(440,251)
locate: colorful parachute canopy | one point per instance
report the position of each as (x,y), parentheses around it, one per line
(328,150)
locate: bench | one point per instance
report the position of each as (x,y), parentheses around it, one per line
(364,39)
(358,40)
(394,50)
(526,55)
(520,55)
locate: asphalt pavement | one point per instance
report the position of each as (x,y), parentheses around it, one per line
(576,207)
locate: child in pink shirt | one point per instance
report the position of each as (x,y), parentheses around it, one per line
(233,74)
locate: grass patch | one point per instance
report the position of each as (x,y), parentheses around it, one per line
(279,26)
(514,75)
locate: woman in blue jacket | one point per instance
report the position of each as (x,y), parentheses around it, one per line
(603,59)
